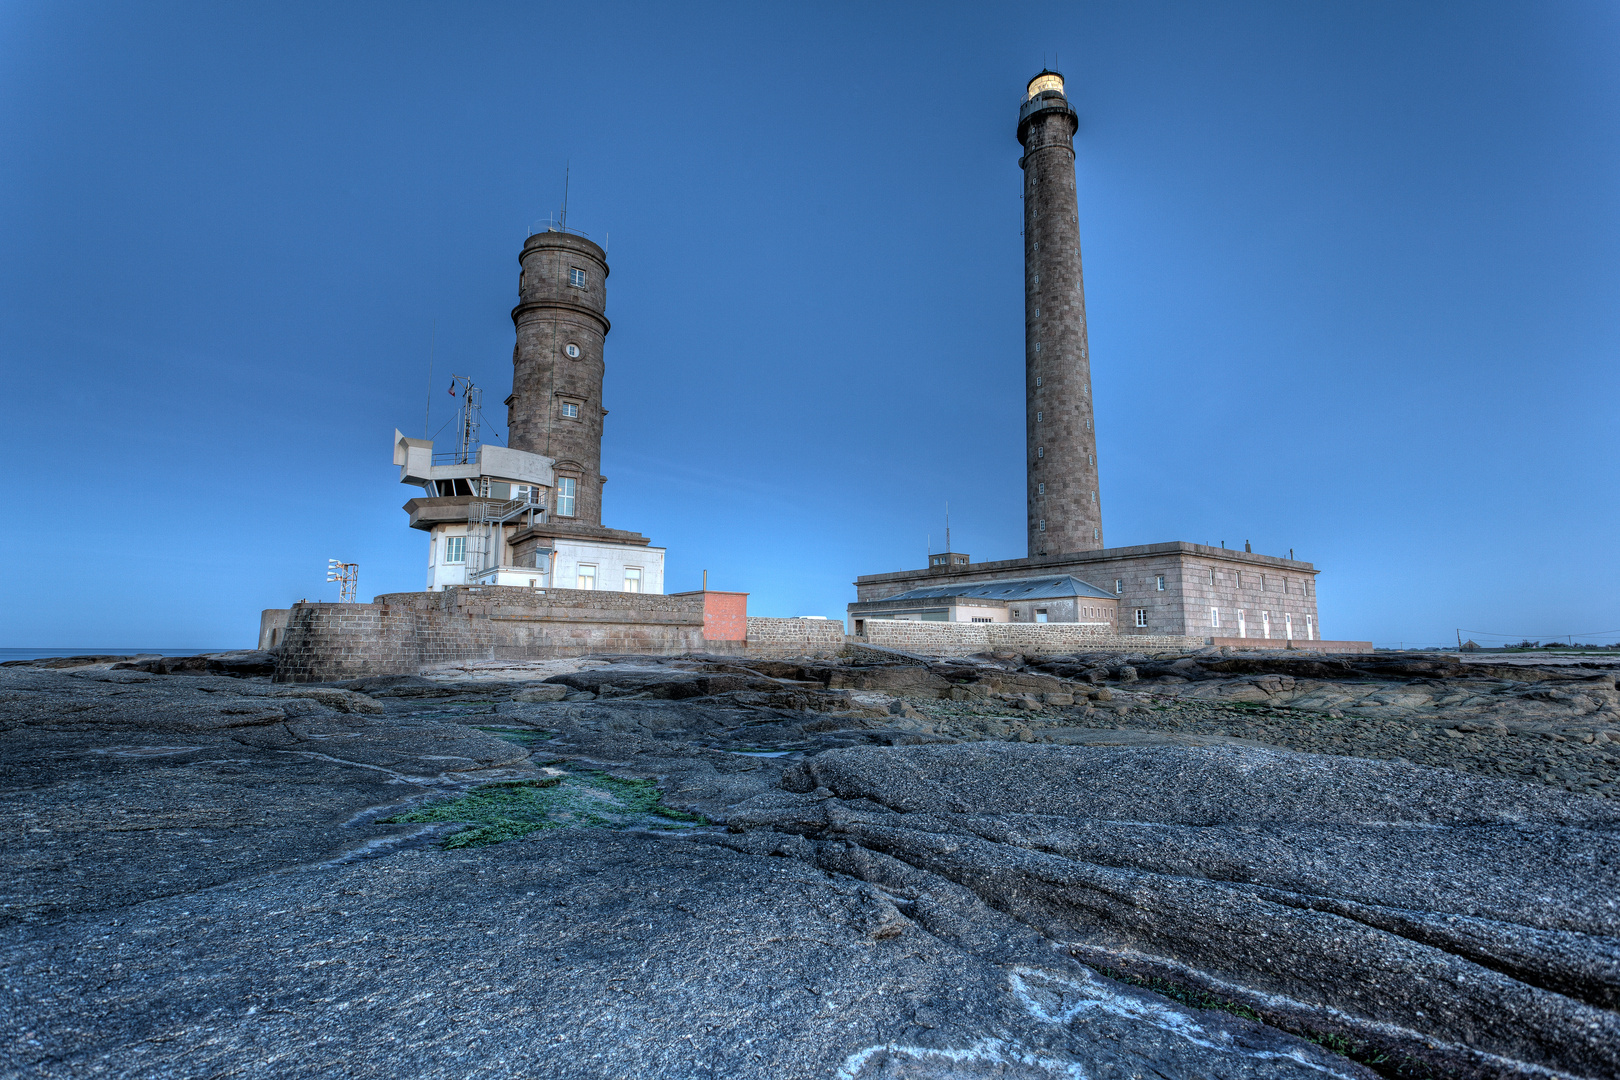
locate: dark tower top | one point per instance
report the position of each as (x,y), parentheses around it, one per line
(556,403)
(1065,514)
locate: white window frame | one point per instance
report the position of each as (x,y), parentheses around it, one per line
(576,277)
(1040,615)
(1141,617)
(1158,582)
(569,410)
(1265,624)
(455,551)
(585,572)
(1215,616)
(1288,627)
(1043,524)
(1310,630)
(632,583)
(1119,586)
(567,493)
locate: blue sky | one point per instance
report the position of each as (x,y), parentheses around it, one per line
(1352,276)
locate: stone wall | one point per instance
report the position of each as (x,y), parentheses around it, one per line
(1262,645)
(782,638)
(961,639)
(402,633)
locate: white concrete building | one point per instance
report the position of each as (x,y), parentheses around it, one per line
(494,517)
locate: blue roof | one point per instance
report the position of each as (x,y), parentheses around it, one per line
(1035,588)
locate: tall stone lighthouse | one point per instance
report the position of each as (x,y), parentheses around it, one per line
(1065,514)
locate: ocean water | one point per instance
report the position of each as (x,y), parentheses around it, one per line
(37,654)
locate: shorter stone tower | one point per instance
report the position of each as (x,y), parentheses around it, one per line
(556,405)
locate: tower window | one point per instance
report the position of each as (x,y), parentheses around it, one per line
(1212,575)
(455,549)
(565,496)
(1040,451)
(1040,489)
(1037,380)
(1037,417)
(1043,524)
(1096,532)
(576,277)
(570,409)
(1158,583)
(1119,586)
(571,351)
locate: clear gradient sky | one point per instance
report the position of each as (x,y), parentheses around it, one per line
(1352,276)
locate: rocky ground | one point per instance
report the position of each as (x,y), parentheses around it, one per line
(884,866)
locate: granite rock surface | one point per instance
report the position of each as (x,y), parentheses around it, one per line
(213,875)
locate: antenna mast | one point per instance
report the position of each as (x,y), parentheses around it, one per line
(948,526)
(567,168)
(470,420)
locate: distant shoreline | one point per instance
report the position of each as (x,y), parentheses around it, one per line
(40,654)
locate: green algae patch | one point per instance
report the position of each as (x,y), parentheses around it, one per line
(515,808)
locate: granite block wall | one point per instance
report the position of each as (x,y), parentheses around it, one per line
(783,638)
(961,639)
(402,633)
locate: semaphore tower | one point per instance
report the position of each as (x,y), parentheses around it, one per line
(1065,514)
(556,403)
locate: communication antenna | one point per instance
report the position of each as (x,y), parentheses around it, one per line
(948,526)
(567,168)
(427,415)
(470,419)
(347,575)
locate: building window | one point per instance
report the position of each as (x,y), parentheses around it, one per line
(565,496)
(1040,614)
(1262,583)
(1037,380)
(455,549)
(1119,586)
(1037,416)
(1288,627)
(1214,616)
(1141,616)
(1240,579)
(978,619)
(1243,624)
(632,579)
(1096,532)
(570,410)
(1158,583)
(585,577)
(1043,524)
(1040,451)
(571,351)
(1212,575)
(1265,623)
(1040,489)
(1309,630)
(576,277)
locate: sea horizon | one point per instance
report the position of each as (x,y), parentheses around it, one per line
(47,653)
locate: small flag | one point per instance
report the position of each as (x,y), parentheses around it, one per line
(452,390)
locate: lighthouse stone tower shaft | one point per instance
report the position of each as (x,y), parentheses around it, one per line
(1065,514)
